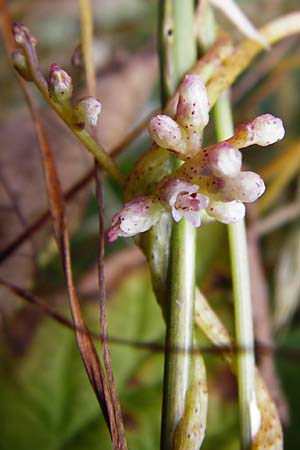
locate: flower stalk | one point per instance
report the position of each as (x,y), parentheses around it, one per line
(249,412)
(177,55)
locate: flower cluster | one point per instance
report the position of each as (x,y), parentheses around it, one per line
(210,182)
(183,135)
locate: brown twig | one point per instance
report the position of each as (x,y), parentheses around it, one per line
(261,348)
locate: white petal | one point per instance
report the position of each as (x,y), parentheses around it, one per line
(177,214)
(172,187)
(193,217)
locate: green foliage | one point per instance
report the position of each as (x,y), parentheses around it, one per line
(48,403)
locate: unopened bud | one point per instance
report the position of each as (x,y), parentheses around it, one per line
(193,104)
(224,160)
(86,112)
(246,187)
(167,133)
(22,34)
(227,212)
(20,64)
(267,129)
(60,84)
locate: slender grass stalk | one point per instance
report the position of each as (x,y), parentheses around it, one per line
(87,45)
(177,55)
(241,282)
(116,420)
(249,416)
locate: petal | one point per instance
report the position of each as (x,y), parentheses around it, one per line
(170,188)
(193,217)
(177,214)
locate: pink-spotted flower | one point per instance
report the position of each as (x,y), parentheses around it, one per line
(135,217)
(209,183)
(183,199)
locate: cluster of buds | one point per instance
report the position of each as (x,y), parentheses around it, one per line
(22,37)
(59,86)
(85,112)
(210,182)
(183,134)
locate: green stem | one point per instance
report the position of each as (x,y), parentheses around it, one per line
(177,55)
(242,299)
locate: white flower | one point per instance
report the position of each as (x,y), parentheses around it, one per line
(183,199)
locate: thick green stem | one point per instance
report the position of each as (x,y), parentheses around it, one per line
(249,414)
(178,54)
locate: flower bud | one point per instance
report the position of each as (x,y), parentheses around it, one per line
(86,111)
(267,129)
(246,187)
(224,160)
(20,64)
(167,133)
(193,105)
(137,215)
(227,212)
(22,34)
(60,84)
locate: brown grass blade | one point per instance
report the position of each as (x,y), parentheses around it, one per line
(103,323)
